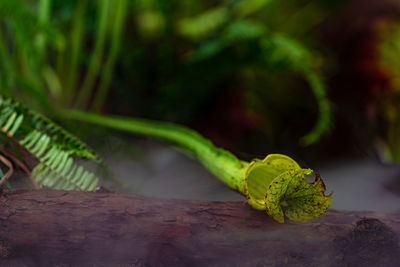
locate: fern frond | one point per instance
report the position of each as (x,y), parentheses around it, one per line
(53,146)
(36,121)
(65,140)
(60,172)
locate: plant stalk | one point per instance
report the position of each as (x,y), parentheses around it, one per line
(97,56)
(223,164)
(72,70)
(44,14)
(100,97)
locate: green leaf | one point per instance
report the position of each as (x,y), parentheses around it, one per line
(52,146)
(10,122)
(247,7)
(301,201)
(16,124)
(277,184)
(200,26)
(259,174)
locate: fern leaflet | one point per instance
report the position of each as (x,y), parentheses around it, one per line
(51,145)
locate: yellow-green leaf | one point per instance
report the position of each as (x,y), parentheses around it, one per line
(259,174)
(301,201)
(277,184)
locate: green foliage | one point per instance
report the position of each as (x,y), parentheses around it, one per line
(57,54)
(51,145)
(277,184)
(259,174)
(300,200)
(200,26)
(42,63)
(230,28)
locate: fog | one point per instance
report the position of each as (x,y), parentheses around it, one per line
(159,170)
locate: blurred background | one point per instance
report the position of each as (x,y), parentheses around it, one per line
(316,80)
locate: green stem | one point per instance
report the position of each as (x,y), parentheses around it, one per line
(122,7)
(324,116)
(95,61)
(7,70)
(228,168)
(44,14)
(76,48)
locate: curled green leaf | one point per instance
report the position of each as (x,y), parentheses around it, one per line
(277,184)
